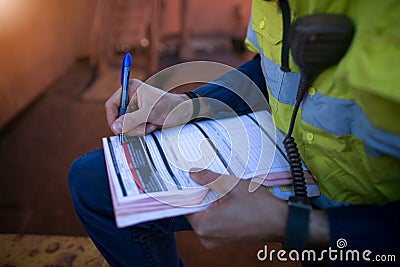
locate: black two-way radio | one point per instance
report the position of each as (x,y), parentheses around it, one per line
(317,42)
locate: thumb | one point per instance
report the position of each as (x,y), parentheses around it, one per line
(219,183)
(116,126)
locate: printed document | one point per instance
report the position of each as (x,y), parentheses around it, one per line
(149,176)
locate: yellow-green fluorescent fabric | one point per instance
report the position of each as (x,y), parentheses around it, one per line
(347,129)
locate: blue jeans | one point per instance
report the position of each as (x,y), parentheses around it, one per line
(146,244)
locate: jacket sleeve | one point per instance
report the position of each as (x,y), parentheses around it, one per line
(367,227)
(241,90)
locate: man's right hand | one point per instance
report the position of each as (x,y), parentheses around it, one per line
(153,108)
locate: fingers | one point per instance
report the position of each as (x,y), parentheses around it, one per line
(134,84)
(150,128)
(219,183)
(113,104)
(134,123)
(209,237)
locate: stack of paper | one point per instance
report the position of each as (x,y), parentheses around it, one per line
(149,176)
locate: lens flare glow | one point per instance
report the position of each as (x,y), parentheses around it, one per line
(13,13)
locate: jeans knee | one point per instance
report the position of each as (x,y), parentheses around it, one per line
(74,175)
(87,181)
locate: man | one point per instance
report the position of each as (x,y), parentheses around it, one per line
(347,132)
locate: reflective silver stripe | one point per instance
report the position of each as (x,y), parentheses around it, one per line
(343,117)
(339,117)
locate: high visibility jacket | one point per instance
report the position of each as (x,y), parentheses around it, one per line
(347,129)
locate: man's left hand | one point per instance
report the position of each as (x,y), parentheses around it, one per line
(237,215)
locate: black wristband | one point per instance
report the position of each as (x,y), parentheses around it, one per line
(196,104)
(297,223)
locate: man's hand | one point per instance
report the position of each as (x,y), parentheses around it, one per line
(238,216)
(153,108)
(241,216)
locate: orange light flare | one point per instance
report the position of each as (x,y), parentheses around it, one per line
(13,14)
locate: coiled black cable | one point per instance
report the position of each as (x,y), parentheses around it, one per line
(296,167)
(292,152)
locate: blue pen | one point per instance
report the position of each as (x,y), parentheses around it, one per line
(125,71)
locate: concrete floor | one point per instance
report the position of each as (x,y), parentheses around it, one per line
(37,148)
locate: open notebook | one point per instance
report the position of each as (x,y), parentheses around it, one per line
(149,176)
